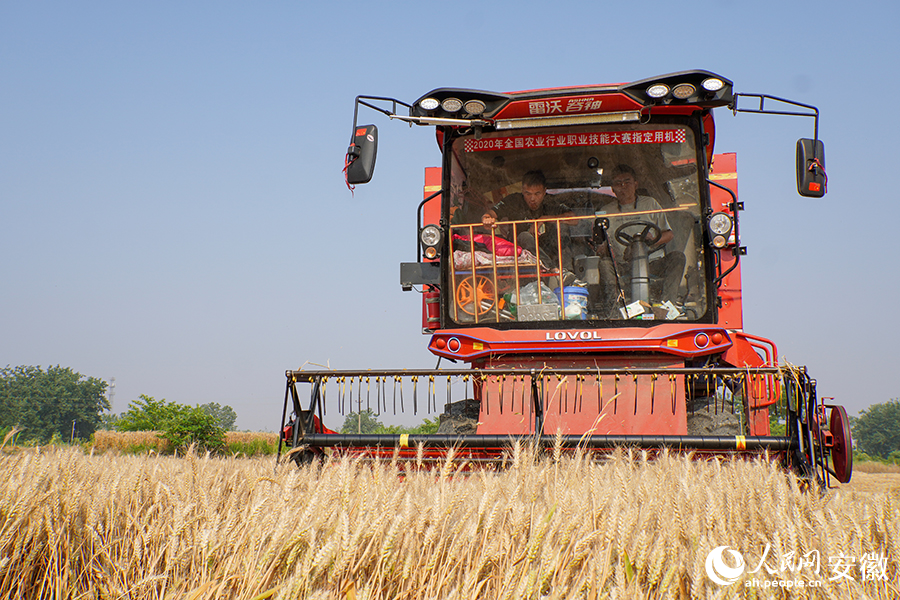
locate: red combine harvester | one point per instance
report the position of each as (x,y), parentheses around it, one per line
(579,248)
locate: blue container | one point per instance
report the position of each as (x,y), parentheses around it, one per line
(574,301)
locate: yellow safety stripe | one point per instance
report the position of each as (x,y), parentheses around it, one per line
(741,442)
(404,440)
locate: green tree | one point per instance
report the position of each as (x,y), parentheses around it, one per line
(777,424)
(361,422)
(877,430)
(224,415)
(180,425)
(56,401)
(194,426)
(148,414)
(366,422)
(108,421)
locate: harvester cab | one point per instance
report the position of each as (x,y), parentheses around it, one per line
(580,249)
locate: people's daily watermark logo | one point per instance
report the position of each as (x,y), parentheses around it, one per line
(721,572)
(725,566)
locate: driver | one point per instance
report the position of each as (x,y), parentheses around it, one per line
(670,266)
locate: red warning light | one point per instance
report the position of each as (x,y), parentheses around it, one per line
(815,187)
(361,132)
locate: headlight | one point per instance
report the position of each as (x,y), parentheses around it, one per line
(431,236)
(720,223)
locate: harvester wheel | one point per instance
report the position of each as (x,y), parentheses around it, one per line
(480,299)
(842,452)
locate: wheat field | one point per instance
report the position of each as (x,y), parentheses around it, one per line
(76,525)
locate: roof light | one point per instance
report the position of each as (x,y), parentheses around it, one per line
(451,104)
(474,107)
(683,91)
(429,103)
(657,90)
(712,84)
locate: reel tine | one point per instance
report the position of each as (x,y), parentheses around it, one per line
(581,396)
(635,381)
(616,395)
(599,392)
(673,385)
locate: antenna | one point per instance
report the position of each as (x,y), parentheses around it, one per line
(111,391)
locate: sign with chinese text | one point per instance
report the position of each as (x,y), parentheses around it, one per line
(607,138)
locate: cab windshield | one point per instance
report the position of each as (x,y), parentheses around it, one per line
(595,223)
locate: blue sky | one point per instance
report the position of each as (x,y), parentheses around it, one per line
(173,214)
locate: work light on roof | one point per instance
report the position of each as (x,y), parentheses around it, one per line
(712,84)
(474,107)
(657,90)
(429,103)
(683,91)
(451,104)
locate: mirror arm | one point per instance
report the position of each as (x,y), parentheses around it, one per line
(441,121)
(389,113)
(762,109)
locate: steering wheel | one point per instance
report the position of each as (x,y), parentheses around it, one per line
(650,233)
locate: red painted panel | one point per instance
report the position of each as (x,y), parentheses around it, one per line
(431,215)
(724,172)
(675,339)
(567,104)
(625,405)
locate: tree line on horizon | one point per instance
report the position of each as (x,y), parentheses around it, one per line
(59,404)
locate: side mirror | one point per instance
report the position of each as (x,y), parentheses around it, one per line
(361,154)
(811,178)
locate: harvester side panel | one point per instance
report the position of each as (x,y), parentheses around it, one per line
(431,215)
(724,172)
